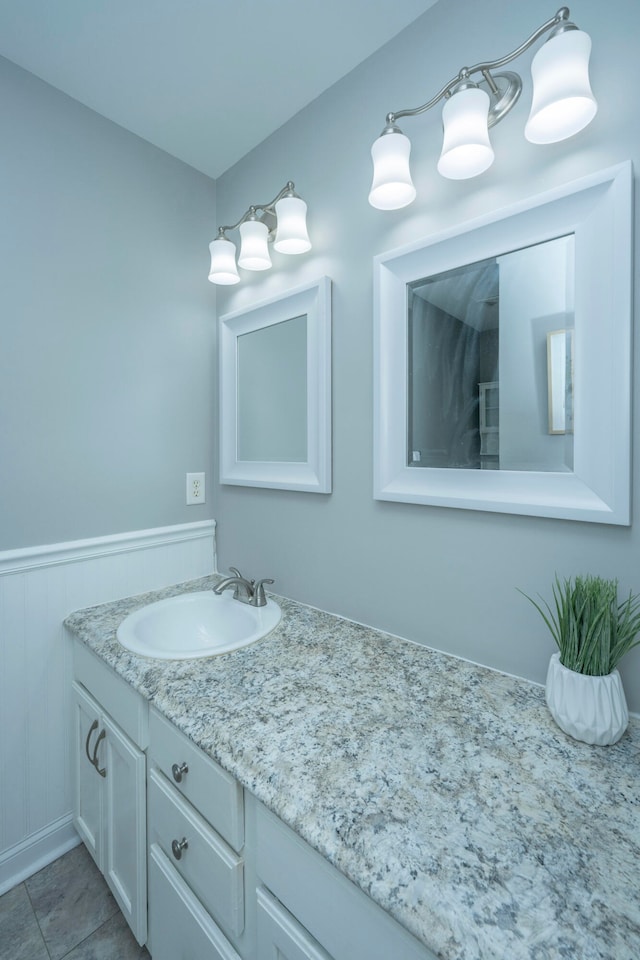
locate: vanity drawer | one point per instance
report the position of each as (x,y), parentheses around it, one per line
(280,935)
(179,926)
(212,869)
(213,791)
(333,911)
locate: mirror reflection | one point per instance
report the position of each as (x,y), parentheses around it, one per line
(490,363)
(272,393)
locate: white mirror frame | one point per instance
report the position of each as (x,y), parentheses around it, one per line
(598,209)
(314,475)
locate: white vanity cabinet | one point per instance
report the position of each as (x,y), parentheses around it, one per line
(196,856)
(110,782)
(227,879)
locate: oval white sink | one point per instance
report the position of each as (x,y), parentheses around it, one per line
(193,625)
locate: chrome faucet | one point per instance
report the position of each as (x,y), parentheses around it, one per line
(243,588)
(246,591)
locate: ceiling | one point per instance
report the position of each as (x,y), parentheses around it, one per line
(205,80)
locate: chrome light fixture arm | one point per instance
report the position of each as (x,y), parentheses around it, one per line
(561,19)
(268,209)
(514,84)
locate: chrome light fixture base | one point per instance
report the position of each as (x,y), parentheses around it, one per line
(504,90)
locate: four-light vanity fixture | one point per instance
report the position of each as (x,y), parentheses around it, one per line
(283,221)
(562,105)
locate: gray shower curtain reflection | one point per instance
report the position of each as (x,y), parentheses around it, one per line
(448,358)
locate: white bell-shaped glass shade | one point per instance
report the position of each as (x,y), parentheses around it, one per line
(466,149)
(392,186)
(291,233)
(254,249)
(223,262)
(563,103)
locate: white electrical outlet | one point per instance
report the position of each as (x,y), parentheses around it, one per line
(195,488)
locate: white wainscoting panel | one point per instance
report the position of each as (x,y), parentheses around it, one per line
(39,587)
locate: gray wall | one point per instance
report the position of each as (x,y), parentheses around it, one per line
(107,323)
(443,577)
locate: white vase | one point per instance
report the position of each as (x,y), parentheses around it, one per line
(591,709)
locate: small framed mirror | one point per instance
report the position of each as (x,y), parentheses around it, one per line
(275,392)
(502,353)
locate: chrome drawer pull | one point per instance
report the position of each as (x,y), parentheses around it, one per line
(179,771)
(101,737)
(94,726)
(177,846)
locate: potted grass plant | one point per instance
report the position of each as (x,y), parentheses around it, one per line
(593,631)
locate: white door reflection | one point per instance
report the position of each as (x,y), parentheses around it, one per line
(560,377)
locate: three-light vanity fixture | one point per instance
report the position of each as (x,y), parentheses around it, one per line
(562,105)
(282,221)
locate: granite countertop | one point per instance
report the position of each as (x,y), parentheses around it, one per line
(442,789)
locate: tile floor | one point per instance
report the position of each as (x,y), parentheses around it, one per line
(65,911)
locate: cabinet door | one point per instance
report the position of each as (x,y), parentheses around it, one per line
(125,825)
(280,936)
(180,928)
(88,816)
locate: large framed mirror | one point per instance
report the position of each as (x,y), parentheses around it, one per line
(502,354)
(275,392)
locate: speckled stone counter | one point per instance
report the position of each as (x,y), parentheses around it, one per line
(442,789)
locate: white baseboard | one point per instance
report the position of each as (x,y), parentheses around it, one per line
(35,852)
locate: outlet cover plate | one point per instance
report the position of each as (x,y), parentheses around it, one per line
(195,488)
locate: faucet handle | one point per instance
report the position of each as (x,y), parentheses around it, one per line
(259,599)
(236,572)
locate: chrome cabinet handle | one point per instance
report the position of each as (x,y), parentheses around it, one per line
(101,737)
(93,760)
(94,726)
(179,771)
(177,846)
